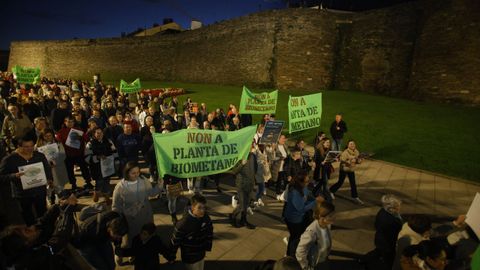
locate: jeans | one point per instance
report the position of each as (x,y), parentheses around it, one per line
(172,204)
(195,266)
(321,187)
(243,202)
(70,162)
(295,230)
(281,182)
(193,184)
(260,190)
(27,205)
(337,144)
(99,255)
(341,179)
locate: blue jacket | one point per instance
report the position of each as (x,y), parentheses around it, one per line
(297,205)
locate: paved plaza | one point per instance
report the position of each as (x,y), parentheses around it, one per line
(441,197)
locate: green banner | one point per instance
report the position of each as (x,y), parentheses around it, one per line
(130,87)
(304,112)
(197,152)
(26,75)
(258,103)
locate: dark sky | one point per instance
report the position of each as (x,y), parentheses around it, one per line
(63,19)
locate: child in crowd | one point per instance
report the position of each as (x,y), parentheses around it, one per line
(194,234)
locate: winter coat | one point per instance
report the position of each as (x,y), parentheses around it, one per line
(297,205)
(387,228)
(347,163)
(263,169)
(194,237)
(315,245)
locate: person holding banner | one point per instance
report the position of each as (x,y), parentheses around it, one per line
(348,161)
(262,175)
(100,153)
(29,185)
(279,175)
(323,168)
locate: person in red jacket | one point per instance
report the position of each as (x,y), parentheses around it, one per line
(74,144)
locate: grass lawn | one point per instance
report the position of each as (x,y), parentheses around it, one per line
(434,137)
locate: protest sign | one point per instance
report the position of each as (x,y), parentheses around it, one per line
(130,87)
(26,75)
(473,215)
(197,152)
(34,175)
(304,112)
(50,151)
(107,166)
(273,130)
(258,103)
(74,138)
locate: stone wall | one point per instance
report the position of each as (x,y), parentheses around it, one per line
(420,50)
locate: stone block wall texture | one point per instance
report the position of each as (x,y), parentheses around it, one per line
(424,50)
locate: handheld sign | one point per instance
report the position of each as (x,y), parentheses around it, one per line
(272,131)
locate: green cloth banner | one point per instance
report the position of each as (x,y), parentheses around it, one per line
(26,75)
(258,103)
(198,152)
(304,112)
(130,87)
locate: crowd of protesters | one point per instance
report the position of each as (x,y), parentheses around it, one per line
(92,124)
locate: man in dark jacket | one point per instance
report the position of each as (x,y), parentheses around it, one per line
(337,129)
(128,144)
(28,194)
(37,246)
(245,182)
(194,234)
(95,235)
(388,224)
(59,114)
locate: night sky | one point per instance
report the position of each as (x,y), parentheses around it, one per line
(61,19)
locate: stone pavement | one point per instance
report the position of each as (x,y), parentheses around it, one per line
(422,192)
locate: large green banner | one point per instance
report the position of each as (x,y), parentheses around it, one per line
(197,152)
(26,75)
(258,103)
(304,112)
(130,87)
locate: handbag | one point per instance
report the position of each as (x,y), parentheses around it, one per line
(175,190)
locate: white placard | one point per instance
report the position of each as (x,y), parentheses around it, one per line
(473,215)
(74,139)
(34,175)
(107,166)
(50,151)
(331,156)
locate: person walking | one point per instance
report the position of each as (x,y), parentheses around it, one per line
(337,129)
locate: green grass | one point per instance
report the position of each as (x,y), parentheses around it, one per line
(434,137)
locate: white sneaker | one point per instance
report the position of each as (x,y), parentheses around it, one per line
(285,240)
(332,196)
(249,211)
(357,200)
(265,192)
(260,202)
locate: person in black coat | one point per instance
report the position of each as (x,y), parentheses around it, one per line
(388,224)
(194,234)
(145,249)
(59,114)
(293,164)
(29,198)
(37,246)
(337,129)
(95,236)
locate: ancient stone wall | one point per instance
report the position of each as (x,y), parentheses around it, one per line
(420,50)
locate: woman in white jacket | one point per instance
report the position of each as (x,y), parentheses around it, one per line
(316,242)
